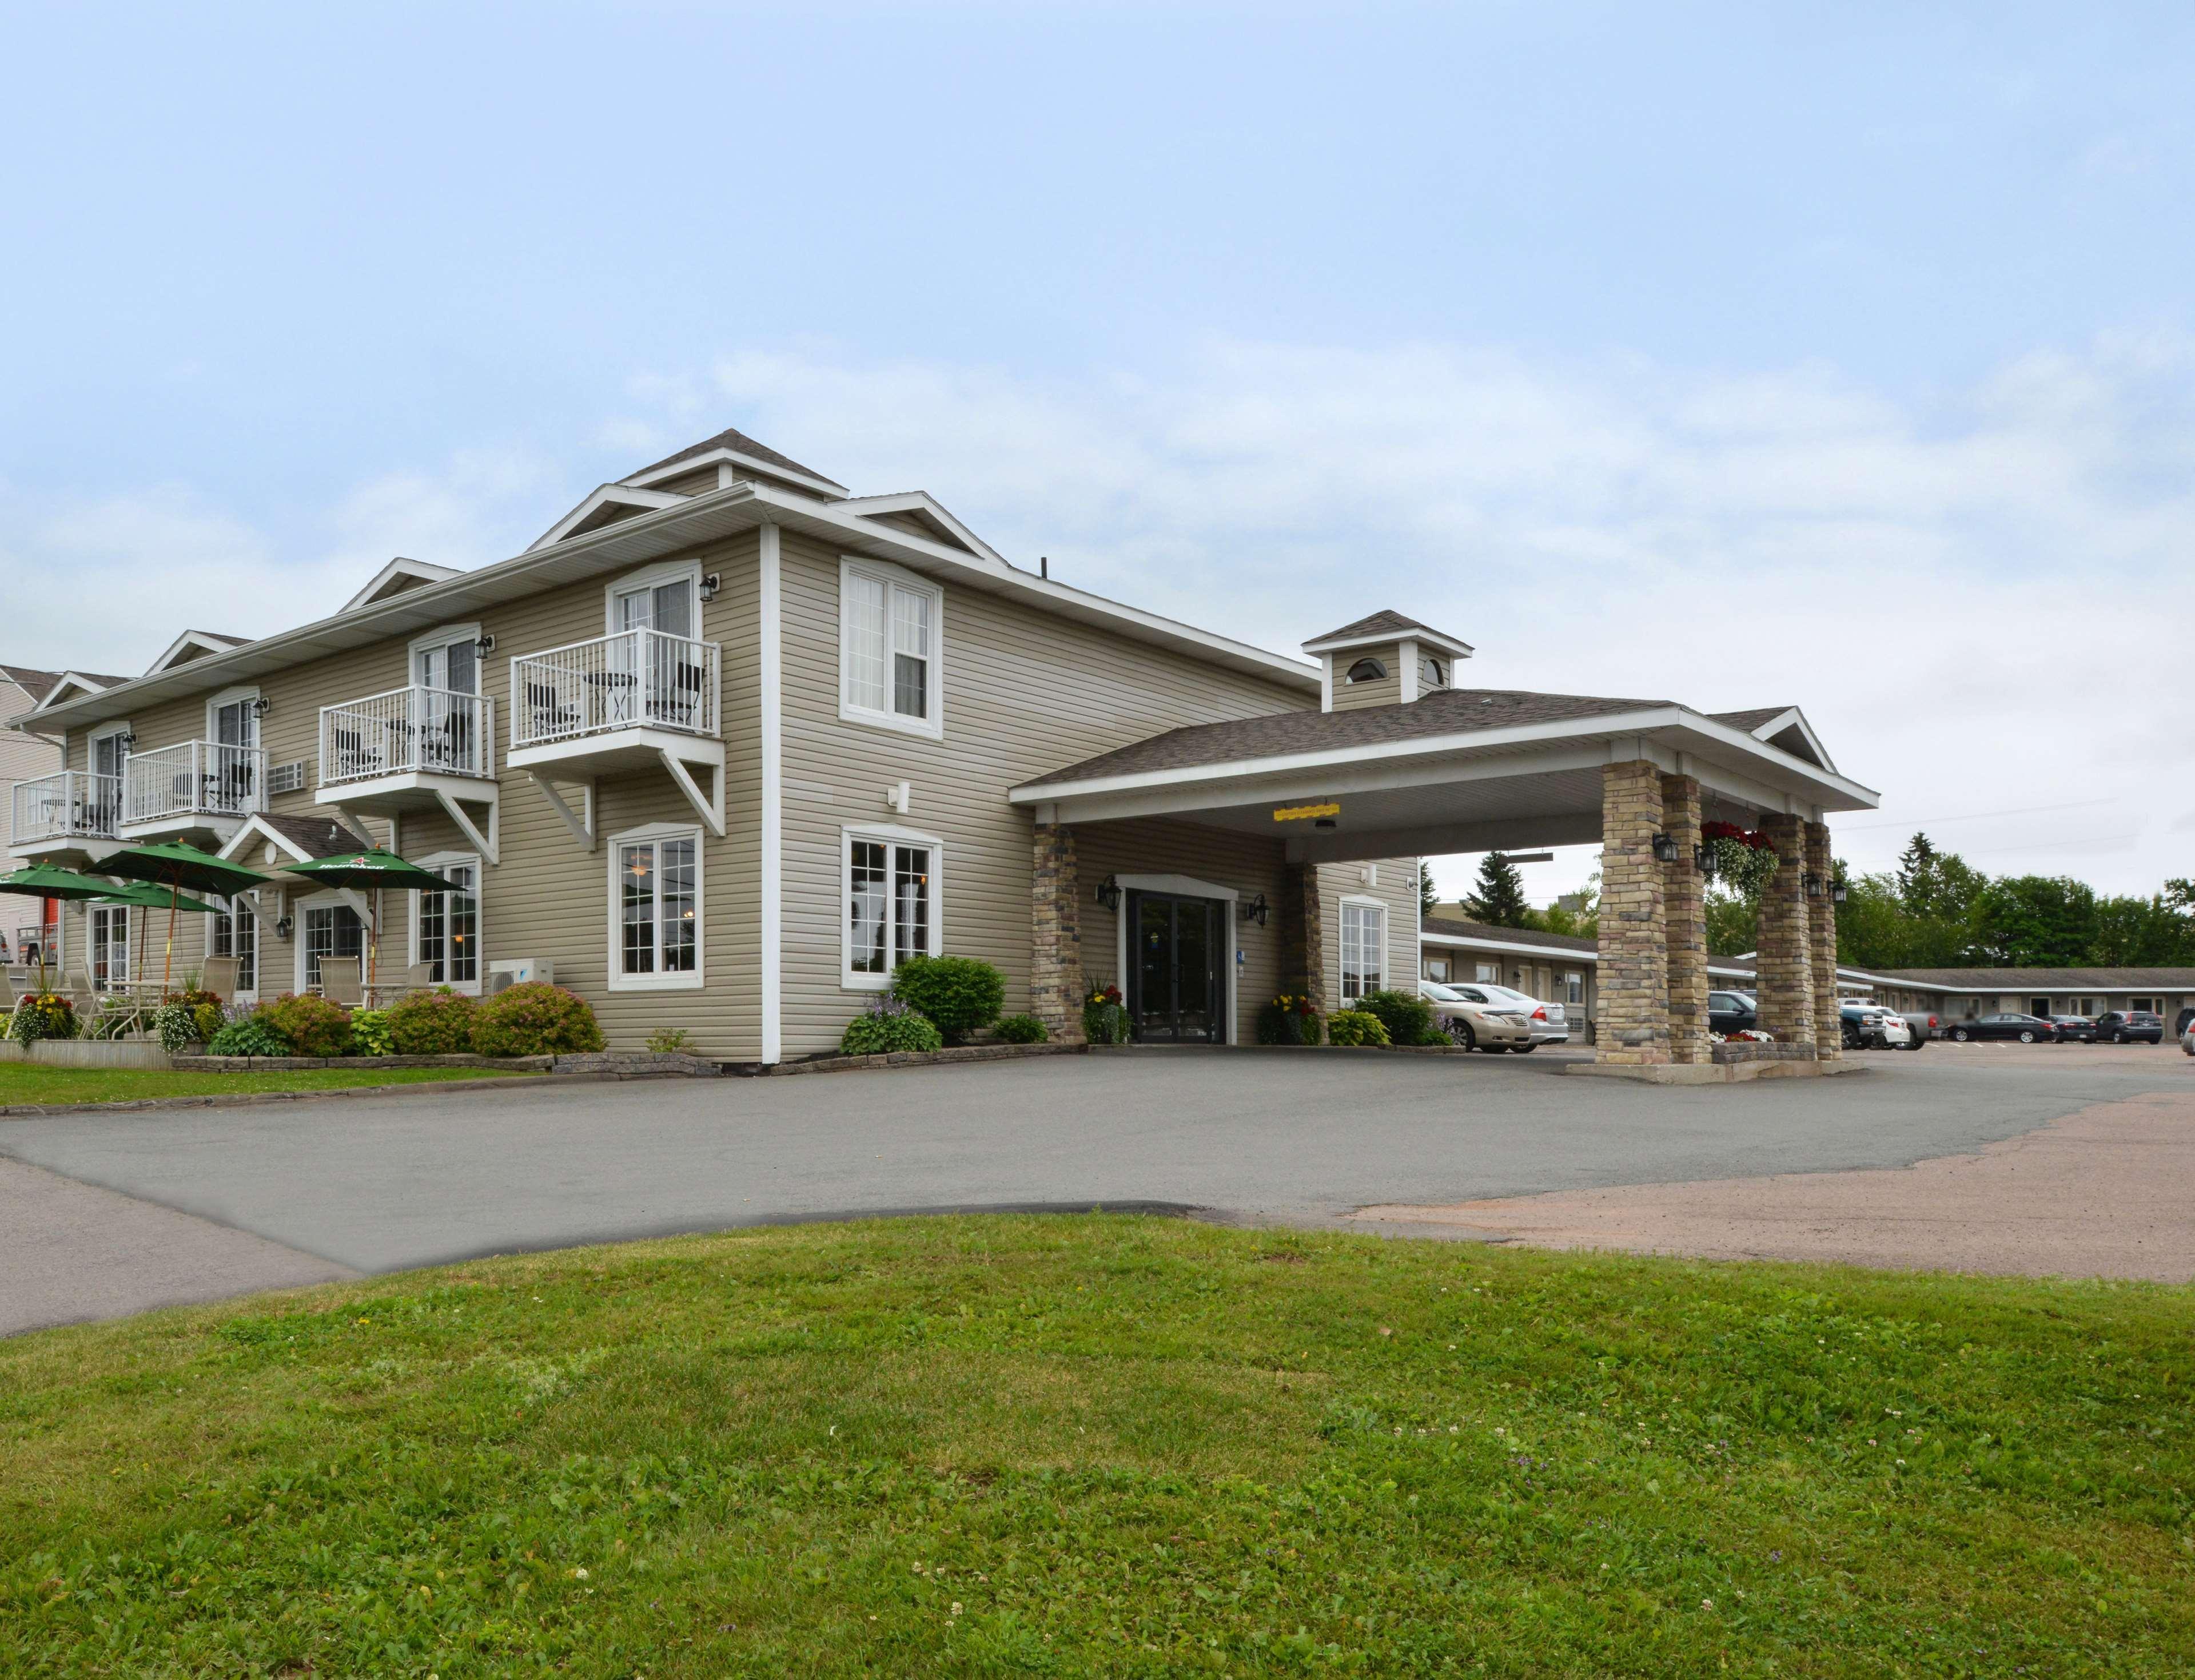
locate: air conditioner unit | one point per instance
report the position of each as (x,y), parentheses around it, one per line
(517,971)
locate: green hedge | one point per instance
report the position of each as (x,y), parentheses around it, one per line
(1356,1026)
(535,1020)
(1407,1017)
(959,994)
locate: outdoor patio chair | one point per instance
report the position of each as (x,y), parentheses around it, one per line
(420,976)
(7,1000)
(351,757)
(551,716)
(217,975)
(339,981)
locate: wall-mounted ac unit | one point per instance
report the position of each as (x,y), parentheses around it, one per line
(517,971)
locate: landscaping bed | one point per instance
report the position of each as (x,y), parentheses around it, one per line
(29,1088)
(1107,1446)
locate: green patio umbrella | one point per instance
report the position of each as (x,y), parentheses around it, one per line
(176,865)
(51,881)
(375,868)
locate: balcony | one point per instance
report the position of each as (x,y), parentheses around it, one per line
(70,815)
(196,790)
(413,749)
(616,705)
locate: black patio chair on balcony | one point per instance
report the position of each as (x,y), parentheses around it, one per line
(552,714)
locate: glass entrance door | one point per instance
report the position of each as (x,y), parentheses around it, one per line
(1175,990)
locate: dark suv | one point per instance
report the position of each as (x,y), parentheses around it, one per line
(1731,1012)
(2131,1026)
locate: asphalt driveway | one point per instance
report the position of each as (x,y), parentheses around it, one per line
(382,1184)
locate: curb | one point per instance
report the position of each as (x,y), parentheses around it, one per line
(32,1110)
(959,1053)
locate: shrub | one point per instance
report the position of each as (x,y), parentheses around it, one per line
(1104,1017)
(960,994)
(1407,1017)
(1354,1026)
(669,1041)
(251,1036)
(178,1026)
(535,1020)
(44,1014)
(1289,1018)
(370,1033)
(886,1025)
(1023,1029)
(204,1007)
(438,1023)
(313,1025)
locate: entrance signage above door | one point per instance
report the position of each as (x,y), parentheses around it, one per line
(1298,813)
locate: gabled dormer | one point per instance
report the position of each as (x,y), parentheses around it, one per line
(194,645)
(397,577)
(1383,659)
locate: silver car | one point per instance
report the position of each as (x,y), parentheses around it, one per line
(1550,1021)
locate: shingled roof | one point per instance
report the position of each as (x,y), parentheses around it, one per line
(1450,927)
(1753,720)
(730,438)
(1445,711)
(36,684)
(2047,979)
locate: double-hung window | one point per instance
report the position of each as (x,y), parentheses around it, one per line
(1363,941)
(890,630)
(891,907)
(446,925)
(656,908)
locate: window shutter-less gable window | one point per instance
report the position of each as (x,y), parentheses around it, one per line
(888,625)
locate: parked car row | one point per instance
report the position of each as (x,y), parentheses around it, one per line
(1481,1016)
(1864,1026)
(2118,1026)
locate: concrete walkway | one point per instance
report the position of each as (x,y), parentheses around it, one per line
(379,1184)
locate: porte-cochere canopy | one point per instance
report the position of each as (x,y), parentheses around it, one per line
(1474,770)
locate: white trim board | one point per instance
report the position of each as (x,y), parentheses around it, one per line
(769,671)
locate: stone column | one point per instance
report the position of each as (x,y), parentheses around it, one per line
(1684,906)
(1303,935)
(1634,980)
(1786,986)
(1821,946)
(1055,934)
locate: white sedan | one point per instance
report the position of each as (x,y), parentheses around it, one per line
(1550,1021)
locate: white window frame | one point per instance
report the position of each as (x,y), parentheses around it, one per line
(850,979)
(99,732)
(439,862)
(329,898)
(892,577)
(1341,947)
(244,693)
(438,638)
(682,980)
(1574,988)
(243,994)
(653,577)
(95,948)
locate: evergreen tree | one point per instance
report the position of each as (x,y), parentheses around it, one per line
(1426,897)
(1500,900)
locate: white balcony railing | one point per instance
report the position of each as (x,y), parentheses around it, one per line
(72,805)
(633,679)
(193,778)
(437,731)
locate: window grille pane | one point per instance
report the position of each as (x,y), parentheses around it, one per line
(678,907)
(243,928)
(463,917)
(674,607)
(911,903)
(910,653)
(1362,934)
(330,929)
(637,898)
(865,908)
(865,643)
(434,933)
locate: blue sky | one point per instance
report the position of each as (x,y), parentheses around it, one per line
(1835,355)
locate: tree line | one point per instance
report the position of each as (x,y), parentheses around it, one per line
(1934,911)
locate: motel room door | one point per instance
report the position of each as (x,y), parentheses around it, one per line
(1176,990)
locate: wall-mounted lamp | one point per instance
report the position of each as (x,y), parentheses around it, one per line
(1665,848)
(1812,883)
(710,583)
(127,738)
(1837,892)
(1703,860)
(282,927)
(1108,894)
(1325,822)
(484,645)
(1253,911)
(261,707)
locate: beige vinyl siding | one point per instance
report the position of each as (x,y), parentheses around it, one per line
(1387,691)
(1395,887)
(1022,693)
(23,757)
(550,896)
(694,484)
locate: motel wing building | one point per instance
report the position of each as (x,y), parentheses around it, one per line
(729,741)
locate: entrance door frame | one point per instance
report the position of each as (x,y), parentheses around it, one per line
(1182,887)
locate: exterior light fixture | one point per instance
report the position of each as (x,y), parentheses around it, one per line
(1812,883)
(282,928)
(1703,860)
(710,583)
(1253,911)
(127,738)
(1108,894)
(1837,892)
(261,706)
(1325,822)
(1665,848)
(484,645)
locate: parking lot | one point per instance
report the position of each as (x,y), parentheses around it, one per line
(110,1213)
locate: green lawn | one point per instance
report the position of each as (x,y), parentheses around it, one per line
(1107,1446)
(35,1081)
